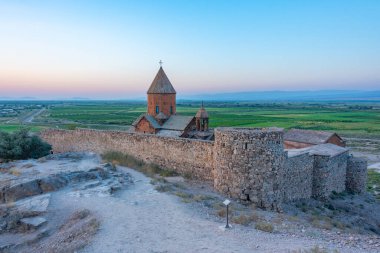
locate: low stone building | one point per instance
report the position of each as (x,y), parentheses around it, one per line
(329,167)
(299,138)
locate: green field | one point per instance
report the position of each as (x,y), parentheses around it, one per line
(96,113)
(12,128)
(348,118)
(345,119)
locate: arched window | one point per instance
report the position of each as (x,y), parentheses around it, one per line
(157,109)
(171,109)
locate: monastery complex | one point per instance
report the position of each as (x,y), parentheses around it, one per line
(161,117)
(266,166)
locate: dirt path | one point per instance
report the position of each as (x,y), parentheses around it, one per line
(140,219)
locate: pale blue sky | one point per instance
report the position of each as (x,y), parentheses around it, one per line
(111,49)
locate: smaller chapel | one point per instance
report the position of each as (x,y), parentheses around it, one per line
(162,119)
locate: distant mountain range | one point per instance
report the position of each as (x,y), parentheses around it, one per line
(319,95)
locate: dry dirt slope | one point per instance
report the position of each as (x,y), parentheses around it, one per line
(137,218)
(141,219)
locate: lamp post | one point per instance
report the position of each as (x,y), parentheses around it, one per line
(227,203)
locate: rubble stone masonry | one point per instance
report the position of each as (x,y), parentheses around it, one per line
(329,174)
(245,163)
(298,177)
(249,163)
(356,175)
(185,156)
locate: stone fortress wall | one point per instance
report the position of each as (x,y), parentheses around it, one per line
(179,154)
(329,174)
(356,174)
(246,163)
(298,173)
(249,164)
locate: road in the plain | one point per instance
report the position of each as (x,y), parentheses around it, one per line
(30,118)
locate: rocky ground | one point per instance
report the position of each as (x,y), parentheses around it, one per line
(30,218)
(73,202)
(345,222)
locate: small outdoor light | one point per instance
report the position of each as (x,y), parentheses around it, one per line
(227,203)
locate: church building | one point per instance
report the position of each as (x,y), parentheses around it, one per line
(161,117)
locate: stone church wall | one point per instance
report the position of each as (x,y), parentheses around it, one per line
(144,127)
(185,156)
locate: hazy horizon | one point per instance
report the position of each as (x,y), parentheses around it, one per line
(110,50)
(270,95)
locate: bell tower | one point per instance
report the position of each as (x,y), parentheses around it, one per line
(161,95)
(201,119)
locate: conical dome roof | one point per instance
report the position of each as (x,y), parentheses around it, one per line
(161,84)
(202,113)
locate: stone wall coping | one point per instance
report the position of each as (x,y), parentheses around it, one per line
(294,152)
(328,150)
(127,133)
(356,158)
(250,130)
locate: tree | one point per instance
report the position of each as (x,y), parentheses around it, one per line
(22,145)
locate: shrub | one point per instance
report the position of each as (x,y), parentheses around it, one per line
(70,126)
(221,212)
(28,165)
(329,206)
(184,195)
(326,224)
(150,169)
(179,185)
(293,218)
(200,198)
(242,219)
(188,176)
(339,225)
(22,145)
(163,188)
(264,226)
(167,173)
(315,249)
(15,172)
(122,159)
(158,180)
(255,217)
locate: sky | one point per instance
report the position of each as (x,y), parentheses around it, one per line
(111,49)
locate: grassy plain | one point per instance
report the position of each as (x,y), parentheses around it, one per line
(344,118)
(12,128)
(350,119)
(97,113)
